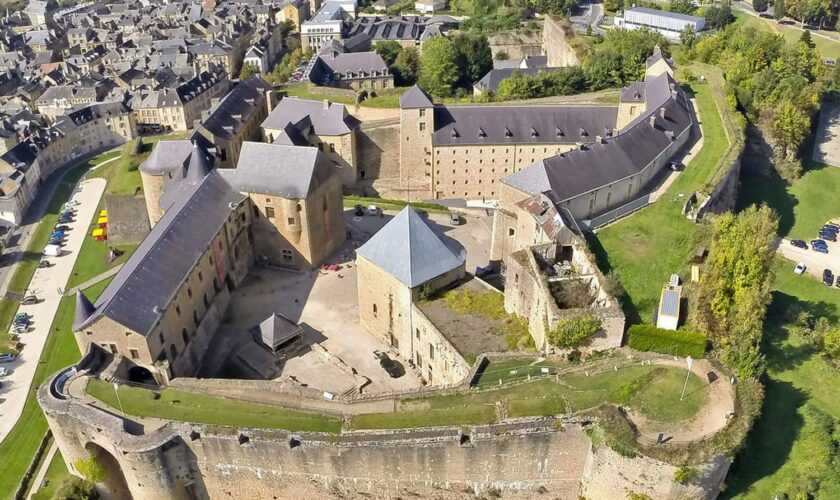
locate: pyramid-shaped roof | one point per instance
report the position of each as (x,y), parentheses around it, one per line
(415,98)
(277,329)
(410,250)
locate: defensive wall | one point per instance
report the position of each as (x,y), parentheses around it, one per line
(153,459)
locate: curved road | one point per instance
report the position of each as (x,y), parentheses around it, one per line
(45,284)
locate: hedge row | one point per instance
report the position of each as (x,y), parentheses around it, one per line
(678,343)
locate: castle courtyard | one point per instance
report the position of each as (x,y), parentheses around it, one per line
(325,304)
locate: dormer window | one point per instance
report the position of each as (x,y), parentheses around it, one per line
(482,133)
(454,134)
(559,132)
(508,133)
(534,132)
(583,132)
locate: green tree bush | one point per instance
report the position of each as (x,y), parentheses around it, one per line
(92,469)
(686,475)
(76,488)
(572,331)
(439,73)
(677,343)
(248,70)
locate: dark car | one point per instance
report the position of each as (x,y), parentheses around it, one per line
(818,243)
(392,367)
(358,211)
(831,225)
(64,220)
(6,358)
(828,277)
(799,244)
(828,236)
(62,227)
(44,264)
(676,166)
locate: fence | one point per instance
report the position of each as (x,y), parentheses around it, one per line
(617,213)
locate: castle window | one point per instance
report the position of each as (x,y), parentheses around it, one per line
(189,292)
(269,212)
(417,333)
(200,276)
(291,221)
(173,352)
(374,310)
(178,310)
(422,126)
(422,113)
(511,231)
(431,353)
(195,318)
(206,302)
(135,354)
(185,336)
(287,255)
(160,338)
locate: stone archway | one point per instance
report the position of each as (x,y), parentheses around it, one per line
(141,375)
(114,486)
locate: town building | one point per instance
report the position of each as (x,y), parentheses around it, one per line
(670,24)
(178,109)
(351,70)
(328,23)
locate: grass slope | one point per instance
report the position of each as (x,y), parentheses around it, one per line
(804,206)
(784,449)
(649,246)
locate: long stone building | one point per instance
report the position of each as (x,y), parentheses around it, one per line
(282,205)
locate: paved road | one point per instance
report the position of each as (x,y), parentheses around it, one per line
(45,284)
(588,13)
(38,483)
(827,143)
(789,22)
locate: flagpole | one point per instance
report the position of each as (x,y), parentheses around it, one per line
(688,361)
(117,393)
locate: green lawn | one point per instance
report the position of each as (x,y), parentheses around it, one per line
(93,260)
(56,473)
(802,207)
(307,92)
(351,201)
(649,246)
(784,448)
(191,407)
(60,351)
(425,418)
(791,33)
(122,174)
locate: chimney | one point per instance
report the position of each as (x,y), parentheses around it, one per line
(599,139)
(652,121)
(662,113)
(669,134)
(326,104)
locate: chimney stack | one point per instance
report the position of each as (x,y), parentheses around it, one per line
(670,135)
(653,121)
(662,113)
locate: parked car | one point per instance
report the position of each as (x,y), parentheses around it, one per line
(21,319)
(62,227)
(20,329)
(4,371)
(799,269)
(29,300)
(373,210)
(828,277)
(454,219)
(832,226)
(65,219)
(820,249)
(799,244)
(72,203)
(57,233)
(52,250)
(43,264)
(358,211)
(392,367)
(55,241)
(6,357)
(676,166)
(828,236)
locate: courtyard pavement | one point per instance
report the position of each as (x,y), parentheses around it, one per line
(325,303)
(45,284)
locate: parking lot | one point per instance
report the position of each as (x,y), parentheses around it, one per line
(325,303)
(815,262)
(45,285)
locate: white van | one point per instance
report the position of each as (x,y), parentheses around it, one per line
(52,250)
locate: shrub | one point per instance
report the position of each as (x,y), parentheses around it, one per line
(573,330)
(76,488)
(686,475)
(91,469)
(678,343)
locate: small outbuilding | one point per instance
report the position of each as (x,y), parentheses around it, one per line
(278,332)
(668,314)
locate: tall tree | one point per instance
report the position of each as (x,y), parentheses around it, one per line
(439,74)
(760,5)
(779,9)
(475,58)
(389,50)
(407,67)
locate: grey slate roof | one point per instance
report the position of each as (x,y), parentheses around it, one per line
(275,169)
(578,171)
(277,329)
(83,309)
(330,121)
(415,97)
(633,93)
(242,101)
(456,125)
(167,157)
(153,274)
(335,65)
(411,251)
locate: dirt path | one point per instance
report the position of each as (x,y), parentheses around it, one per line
(710,419)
